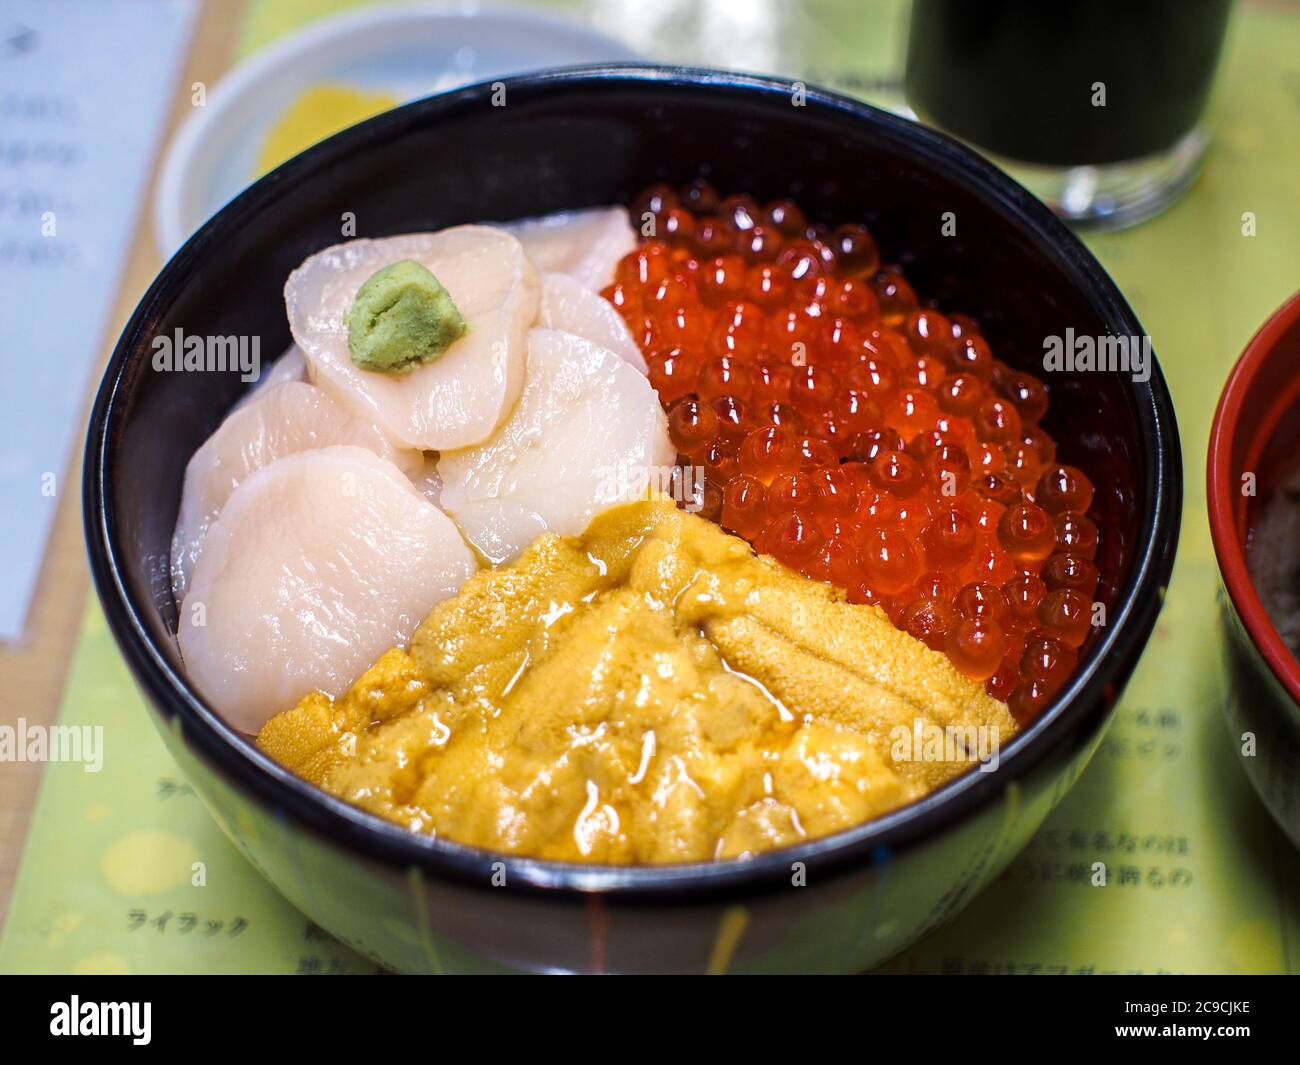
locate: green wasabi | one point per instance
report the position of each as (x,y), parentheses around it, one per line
(402,318)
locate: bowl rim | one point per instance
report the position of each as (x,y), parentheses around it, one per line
(1078,710)
(1225,516)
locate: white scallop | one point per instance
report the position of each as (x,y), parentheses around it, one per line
(282,419)
(317,565)
(570,308)
(457,400)
(588,432)
(585,244)
(427,479)
(288,367)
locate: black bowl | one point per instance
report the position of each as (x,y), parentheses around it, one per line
(572,139)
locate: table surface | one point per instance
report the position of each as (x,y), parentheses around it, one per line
(1202,880)
(34,671)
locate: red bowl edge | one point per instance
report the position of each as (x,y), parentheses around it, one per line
(1224,501)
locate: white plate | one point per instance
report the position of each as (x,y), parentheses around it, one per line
(404,51)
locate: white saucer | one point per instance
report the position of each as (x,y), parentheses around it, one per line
(405,51)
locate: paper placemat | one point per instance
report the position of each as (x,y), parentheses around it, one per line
(71,178)
(1201,880)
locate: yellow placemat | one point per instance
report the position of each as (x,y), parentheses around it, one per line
(1200,879)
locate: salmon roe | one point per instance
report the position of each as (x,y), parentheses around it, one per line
(862,437)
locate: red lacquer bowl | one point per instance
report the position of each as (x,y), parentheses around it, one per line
(1254,445)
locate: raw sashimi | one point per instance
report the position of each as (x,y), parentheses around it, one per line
(588,432)
(316,565)
(571,308)
(457,400)
(282,419)
(586,244)
(288,367)
(427,479)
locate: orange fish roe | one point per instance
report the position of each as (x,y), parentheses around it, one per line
(862,438)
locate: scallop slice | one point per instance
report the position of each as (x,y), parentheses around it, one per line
(317,565)
(427,479)
(588,432)
(282,419)
(570,308)
(457,400)
(586,244)
(288,367)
